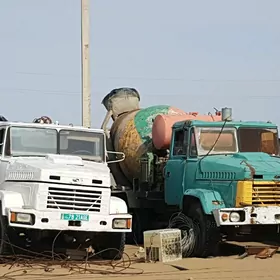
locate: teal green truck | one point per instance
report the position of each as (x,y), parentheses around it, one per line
(216,179)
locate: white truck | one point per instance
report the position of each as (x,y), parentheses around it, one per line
(55,184)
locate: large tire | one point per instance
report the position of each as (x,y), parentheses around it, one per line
(110,246)
(135,236)
(5,244)
(207,234)
(140,223)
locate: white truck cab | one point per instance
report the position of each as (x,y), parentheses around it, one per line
(53,179)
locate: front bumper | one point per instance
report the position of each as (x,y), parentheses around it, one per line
(267,215)
(51,220)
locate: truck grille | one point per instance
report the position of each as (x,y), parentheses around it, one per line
(74,199)
(266,194)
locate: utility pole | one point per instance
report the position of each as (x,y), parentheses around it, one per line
(86,94)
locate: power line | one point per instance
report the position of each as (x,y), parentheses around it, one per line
(202,80)
(47,91)
(199,80)
(37,74)
(43,93)
(69,93)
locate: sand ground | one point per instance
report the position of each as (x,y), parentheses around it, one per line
(230,267)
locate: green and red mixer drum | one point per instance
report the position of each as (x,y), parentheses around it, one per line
(135,131)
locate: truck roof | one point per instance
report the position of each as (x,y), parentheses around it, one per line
(51,126)
(228,124)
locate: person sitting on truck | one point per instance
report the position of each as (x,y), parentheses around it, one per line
(43,119)
(3,119)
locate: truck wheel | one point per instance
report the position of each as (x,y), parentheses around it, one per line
(207,234)
(135,236)
(5,246)
(111,246)
(140,223)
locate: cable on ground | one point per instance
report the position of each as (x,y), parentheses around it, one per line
(189,230)
(42,264)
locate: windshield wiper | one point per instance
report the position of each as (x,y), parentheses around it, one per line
(93,160)
(27,156)
(218,154)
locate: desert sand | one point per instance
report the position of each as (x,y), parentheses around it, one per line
(229,267)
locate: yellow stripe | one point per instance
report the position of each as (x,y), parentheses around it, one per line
(266,183)
(257,193)
(244,193)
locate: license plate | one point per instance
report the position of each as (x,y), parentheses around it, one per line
(75,217)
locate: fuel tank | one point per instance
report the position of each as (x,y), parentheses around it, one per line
(162,126)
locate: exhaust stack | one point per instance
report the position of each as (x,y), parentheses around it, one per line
(227,114)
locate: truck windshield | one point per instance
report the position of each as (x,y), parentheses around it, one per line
(37,141)
(213,141)
(88,145)
(258,140)
(31,141)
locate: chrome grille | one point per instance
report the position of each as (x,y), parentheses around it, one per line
(266,194)
(68,198)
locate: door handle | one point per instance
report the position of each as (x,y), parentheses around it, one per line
(168,173)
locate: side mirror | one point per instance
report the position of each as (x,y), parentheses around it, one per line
(117,154)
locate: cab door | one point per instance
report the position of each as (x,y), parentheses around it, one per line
(175,167)
(3,148)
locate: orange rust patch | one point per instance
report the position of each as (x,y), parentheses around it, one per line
(129,143)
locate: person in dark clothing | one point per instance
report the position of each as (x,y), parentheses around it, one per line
(3,119)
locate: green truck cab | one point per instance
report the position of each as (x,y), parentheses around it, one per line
(232,180)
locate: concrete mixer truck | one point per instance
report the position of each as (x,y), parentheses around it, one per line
(221,176)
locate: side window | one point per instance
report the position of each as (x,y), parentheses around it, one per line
(193,148)
(8,144)
(2,134)
(180,143)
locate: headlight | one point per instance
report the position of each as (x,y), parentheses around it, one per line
(121,223)
(21,218)
(234,217)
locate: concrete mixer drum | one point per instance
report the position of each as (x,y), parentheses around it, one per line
(131,131)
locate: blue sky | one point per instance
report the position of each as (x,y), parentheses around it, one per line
(195,55)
